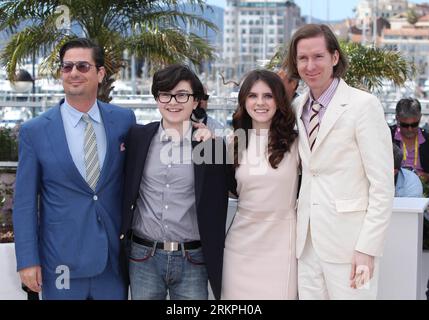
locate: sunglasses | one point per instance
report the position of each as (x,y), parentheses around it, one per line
(81,66)
(409,125)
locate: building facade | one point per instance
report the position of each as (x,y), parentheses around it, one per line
(383,8)
(254,30)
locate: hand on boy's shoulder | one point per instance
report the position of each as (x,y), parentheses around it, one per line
(202,133)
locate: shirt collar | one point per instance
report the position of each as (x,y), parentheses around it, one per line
(166,135)
(76,115)
(326,96)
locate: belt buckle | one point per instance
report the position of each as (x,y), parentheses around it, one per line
(171,246)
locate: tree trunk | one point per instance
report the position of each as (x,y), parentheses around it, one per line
(105,88)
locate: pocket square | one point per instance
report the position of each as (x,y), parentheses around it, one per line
(122,147)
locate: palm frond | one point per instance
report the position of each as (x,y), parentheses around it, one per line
(169,46)
(369,66)
(14,12)
(148,28)
(26,43)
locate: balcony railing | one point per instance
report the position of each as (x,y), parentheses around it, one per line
(17,108)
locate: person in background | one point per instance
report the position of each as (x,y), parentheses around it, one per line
(290,84)
(346,196)
(200,115)
(413,141)
(68,195)
(414,144)
(407,183)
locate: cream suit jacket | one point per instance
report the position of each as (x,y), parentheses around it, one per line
(347,185)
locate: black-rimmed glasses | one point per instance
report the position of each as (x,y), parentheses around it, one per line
(81,66)
(181,97)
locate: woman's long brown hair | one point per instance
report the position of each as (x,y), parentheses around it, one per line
(282,133)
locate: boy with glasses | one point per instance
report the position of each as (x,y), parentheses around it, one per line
(175,204)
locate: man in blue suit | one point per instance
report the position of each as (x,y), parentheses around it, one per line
(69,183)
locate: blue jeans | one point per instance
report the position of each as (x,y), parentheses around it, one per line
(156,272)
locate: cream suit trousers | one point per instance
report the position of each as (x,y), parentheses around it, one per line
(320,280)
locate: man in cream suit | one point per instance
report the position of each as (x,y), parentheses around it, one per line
(347,189)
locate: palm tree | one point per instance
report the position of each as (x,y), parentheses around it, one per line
(147,29)
(412,17)
(368,66)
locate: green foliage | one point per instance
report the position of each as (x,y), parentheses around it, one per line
(7,185)
(8,144)
(368,66)
(412,17)
(148,29)
(277,59)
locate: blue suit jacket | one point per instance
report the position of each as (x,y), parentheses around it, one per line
(58,219)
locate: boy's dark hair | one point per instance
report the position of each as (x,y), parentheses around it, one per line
(97,51)
(166,79)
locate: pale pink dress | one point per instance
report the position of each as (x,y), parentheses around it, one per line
(259,258)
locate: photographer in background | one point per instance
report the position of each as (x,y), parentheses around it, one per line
(410,138)
(200,114)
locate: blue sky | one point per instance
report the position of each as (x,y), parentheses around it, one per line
(339,9)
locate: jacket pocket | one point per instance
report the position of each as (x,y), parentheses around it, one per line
(351,205)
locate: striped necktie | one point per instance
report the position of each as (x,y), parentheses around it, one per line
(92,165)
(313,126)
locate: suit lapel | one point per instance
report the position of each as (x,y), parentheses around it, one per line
(199,175)
(141,145)
(303,137)
(108,123)
(57,138)
(336,108)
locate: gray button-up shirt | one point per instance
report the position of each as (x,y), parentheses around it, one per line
(165,208)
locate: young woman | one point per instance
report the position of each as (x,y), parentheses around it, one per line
(259,257)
